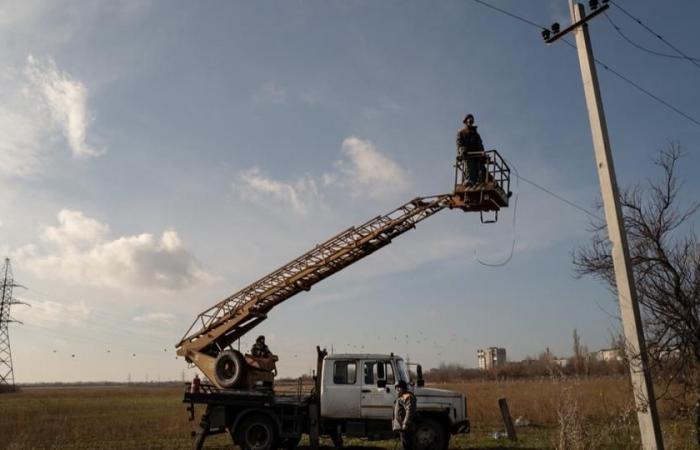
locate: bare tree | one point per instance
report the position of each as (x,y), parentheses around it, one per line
(579,360)
(665,254)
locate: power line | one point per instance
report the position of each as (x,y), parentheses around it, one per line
(514,16)
(692,60)
(559,197)
(639,88)
(640,47)
(602,64)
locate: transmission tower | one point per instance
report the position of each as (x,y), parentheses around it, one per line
(7,376)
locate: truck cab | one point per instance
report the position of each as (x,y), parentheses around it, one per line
(357,397)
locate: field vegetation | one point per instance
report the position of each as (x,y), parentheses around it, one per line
(571,413)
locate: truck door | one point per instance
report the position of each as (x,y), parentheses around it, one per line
(339,394)
(377,402)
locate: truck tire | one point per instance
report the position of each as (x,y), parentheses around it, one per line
(229,368)
(431,435)
(256,432)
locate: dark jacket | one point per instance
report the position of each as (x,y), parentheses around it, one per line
(260,350)
(404,412)
(468,141)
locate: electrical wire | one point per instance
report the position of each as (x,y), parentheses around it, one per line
(514,16)
(643,25)
(600,63)
(553,194)
(641,89)
(515,214)
(640,47)
(559,197)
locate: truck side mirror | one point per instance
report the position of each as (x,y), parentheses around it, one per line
(420,382)
(381,383)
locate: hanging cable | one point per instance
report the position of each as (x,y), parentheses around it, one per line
(646,92)
(515,213)
(514,16)
(640,47)
(559,197)
(600,63)
(673,47)
(553,194)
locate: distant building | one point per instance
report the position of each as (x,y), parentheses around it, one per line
(609,354)
(561,362)
(491,358)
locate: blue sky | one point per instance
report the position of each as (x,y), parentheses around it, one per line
(159,156)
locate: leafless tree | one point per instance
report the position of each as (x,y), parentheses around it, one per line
(665,254)
(579,360)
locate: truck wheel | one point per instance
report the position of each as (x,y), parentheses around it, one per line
(229,368)
(431,435)
(256,432)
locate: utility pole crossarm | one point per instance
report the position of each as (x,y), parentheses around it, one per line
(575,25)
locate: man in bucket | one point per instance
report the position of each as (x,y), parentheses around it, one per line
(470,151)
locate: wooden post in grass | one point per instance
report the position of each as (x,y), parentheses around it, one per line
(507,420)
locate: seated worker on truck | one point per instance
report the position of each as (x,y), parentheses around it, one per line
(259,349)
(470,151)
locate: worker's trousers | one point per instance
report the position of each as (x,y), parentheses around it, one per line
(476,169)
(408,439)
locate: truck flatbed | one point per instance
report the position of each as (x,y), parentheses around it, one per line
(212,395)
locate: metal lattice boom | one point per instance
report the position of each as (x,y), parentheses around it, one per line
(228,320)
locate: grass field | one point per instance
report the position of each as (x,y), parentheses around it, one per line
(598,413)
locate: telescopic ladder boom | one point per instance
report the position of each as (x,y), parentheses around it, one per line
(221,325)
(228,320)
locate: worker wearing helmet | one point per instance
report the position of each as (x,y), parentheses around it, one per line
(259,349)
(404,415)
(470,151)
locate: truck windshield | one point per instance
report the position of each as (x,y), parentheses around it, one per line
(403,370)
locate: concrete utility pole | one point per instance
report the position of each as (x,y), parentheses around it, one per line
(642,384)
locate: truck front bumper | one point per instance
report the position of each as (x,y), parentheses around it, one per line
(461,427)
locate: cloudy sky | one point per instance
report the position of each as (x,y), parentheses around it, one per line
(158,156)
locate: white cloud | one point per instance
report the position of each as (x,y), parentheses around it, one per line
(37,102)
(51,313)
(363,171)
(299,195)
(74,228)
(66,100)
(366,171)
(77,250)
(23,131)
(156,317)
(271,92)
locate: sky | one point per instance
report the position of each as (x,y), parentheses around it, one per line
(158,156)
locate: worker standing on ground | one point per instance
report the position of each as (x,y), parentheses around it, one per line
(470,151)
(259,349)
(404,415)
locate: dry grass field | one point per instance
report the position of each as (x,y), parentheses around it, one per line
(597,414)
